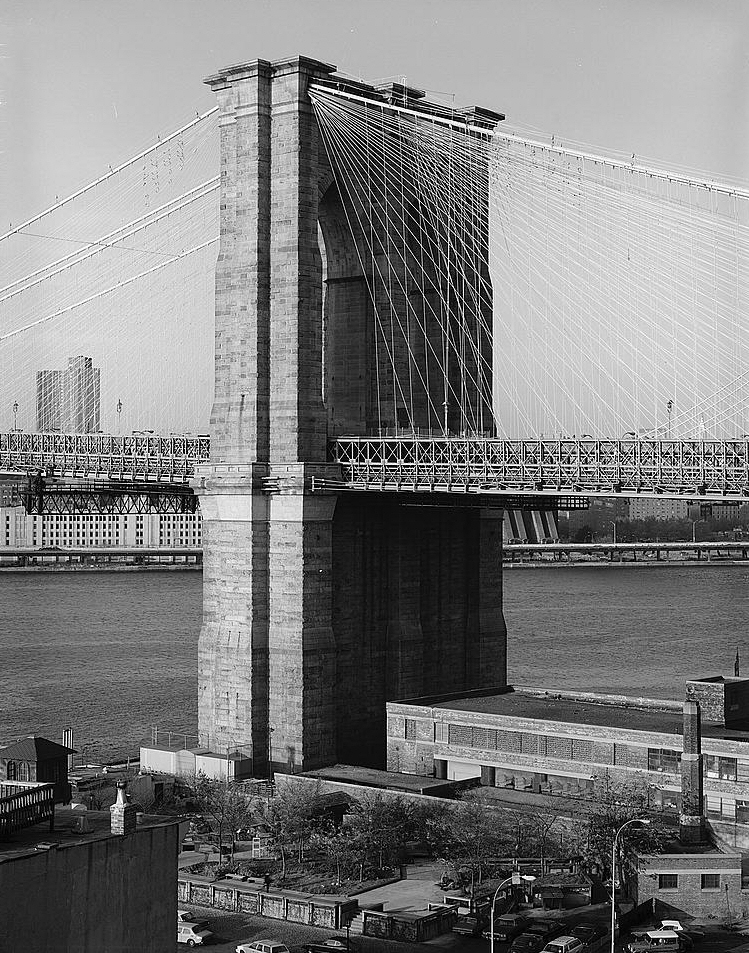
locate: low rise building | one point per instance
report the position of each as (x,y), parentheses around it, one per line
(93,882)
(703,880)
(552,742)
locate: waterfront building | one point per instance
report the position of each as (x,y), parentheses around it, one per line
(561,743)
(69,400)
(19,530)
(644,509)
(532,526)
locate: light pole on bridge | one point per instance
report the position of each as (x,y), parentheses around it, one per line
(15,415)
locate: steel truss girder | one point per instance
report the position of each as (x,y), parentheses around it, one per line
(697,470)
(143,458)
(55,500)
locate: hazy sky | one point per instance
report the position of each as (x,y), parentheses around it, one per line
(85,83)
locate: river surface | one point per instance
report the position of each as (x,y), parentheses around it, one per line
(112,654)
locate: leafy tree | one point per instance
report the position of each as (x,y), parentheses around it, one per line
(226,805)
(289,816)
(472,832)
(340,847)
(382,825)
(612,804)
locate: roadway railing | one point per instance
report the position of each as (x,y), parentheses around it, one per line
(697,470)
(24,804)
(144,458)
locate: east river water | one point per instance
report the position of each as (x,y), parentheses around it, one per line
(112,654)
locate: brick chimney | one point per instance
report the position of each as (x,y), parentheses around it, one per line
(691,820)
(124,815)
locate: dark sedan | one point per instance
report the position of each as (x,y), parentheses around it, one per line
(537,935)
(588,932)
(471,924)
(334,944)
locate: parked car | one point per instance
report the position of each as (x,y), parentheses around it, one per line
(564,944)
(677,926)
(664,941)
(507,927)
(537,934)
(471,924)
(193,934)
(262,946)
(528,943)
(588,931)
(185,915)
(334,944)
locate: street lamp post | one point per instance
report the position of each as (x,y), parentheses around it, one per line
(694,529)
(613,523)
(516,878)
(15,415)
(635,820)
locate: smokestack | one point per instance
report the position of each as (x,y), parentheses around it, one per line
(67,740)
(691,820)
(124,815)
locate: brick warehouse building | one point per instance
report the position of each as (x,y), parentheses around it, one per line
(693,756)
(559,742)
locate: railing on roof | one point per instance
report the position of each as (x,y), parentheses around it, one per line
(24,804)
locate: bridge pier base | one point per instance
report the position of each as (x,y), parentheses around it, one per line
(318,609)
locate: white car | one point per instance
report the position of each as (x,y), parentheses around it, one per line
(262,946)
(193,934)
(184,916)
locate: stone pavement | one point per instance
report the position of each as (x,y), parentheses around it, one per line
(415,893)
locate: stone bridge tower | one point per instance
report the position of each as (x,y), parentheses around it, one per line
(318,606)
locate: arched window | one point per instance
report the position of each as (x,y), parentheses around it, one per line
(18,771)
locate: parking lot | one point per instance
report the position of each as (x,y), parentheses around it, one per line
(230,929)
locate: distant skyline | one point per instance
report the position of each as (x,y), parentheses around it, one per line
(85,84)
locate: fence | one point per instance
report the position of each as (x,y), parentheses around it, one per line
(24,804)
(408,928)
(330,912)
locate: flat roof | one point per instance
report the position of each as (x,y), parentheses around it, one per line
(371,777)
(22,843)
(549,705)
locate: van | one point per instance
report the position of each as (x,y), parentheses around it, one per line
(564,944)
(193,934)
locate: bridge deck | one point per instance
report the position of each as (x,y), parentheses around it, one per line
(698,470)
(707,470)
